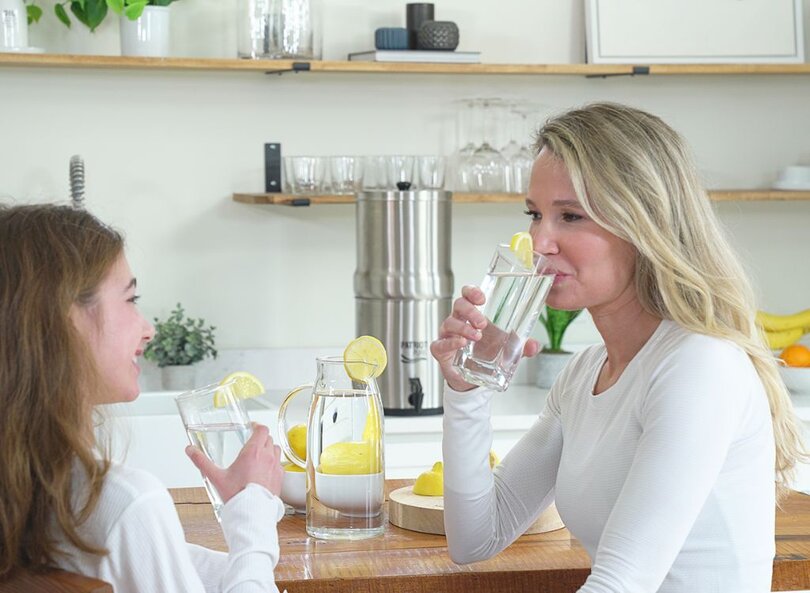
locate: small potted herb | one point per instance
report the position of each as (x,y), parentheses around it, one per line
(552,358)
(179,343)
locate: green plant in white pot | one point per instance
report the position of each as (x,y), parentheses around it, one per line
(144,23)
(552,358)
(179,343)
(92,13)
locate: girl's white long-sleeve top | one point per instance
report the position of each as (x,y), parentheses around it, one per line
(135,520)
(666,478)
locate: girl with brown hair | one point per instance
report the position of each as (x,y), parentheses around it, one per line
(70,337)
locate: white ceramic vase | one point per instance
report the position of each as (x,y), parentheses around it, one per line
(178,377)
(548,365)
(148,35)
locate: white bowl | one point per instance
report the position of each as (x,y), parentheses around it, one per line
(797,379)
(294,490)
(359,495)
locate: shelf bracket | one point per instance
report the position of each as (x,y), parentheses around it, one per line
(296,68)
(641,70)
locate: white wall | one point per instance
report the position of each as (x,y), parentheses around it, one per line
(164,151)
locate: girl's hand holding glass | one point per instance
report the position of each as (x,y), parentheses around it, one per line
(258,462)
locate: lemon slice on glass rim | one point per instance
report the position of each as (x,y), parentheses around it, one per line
(365,349)
(245,386)
(523,247)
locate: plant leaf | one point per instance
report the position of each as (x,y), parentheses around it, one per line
(33,12)
(160,2)
(134,10)
(61,14)
(117,6)
(95,10)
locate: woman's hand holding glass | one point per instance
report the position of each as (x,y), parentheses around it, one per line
(466,323)
(258,462)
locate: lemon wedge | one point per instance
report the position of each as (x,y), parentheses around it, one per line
(523,246)
(245,386)
(291,467)
(365,349)
(429,483)
(493,459)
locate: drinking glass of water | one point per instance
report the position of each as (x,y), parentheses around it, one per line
(515,289)
(216,423)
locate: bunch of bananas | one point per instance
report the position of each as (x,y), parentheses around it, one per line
(783,330)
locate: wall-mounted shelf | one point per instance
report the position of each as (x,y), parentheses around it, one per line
(279,199)
(119,62)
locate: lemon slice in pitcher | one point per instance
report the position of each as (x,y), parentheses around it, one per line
(523,246)
(365,349)
(245,386)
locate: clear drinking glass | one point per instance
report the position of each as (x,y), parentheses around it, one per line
(375,172)
(305,174)
(216,423)
(431,172)
(346,173)
(515,294)
(345,452)
(400,170)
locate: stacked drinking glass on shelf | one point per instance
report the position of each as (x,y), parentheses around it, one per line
(494,152)
(352,174)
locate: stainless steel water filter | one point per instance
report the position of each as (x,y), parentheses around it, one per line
(403,285)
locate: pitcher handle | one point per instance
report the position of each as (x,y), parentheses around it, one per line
(282,426)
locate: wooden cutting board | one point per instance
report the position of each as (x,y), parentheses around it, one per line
(426,513)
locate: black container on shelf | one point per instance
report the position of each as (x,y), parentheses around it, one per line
(416,14)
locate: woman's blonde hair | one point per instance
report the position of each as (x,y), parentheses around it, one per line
(635,176)
(52,259)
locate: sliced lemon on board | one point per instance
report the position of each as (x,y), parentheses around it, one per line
(523,246)
(245,386)
(429,483)
(365,349)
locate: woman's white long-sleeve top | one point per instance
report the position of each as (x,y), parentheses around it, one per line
(666,478)
(135,520)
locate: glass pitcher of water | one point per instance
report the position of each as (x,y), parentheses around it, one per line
(345,462)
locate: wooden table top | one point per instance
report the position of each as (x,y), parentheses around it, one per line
(406,561)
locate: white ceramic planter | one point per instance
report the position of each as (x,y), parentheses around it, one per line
(548,366)
(147,36)
(178,378)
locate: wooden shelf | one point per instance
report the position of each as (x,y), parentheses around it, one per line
(279,199)
(118,62)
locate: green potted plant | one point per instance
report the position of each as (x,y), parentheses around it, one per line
(179,343)
(144,31)
(91,13)
(552,358)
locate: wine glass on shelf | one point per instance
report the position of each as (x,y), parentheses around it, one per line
(465,142)
(516,151)
(486,167)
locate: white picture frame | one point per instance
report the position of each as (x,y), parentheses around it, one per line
(694,31)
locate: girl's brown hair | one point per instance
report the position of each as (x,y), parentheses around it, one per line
(52,260)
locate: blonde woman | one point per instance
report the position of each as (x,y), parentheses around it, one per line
(665,446)
(71,335)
